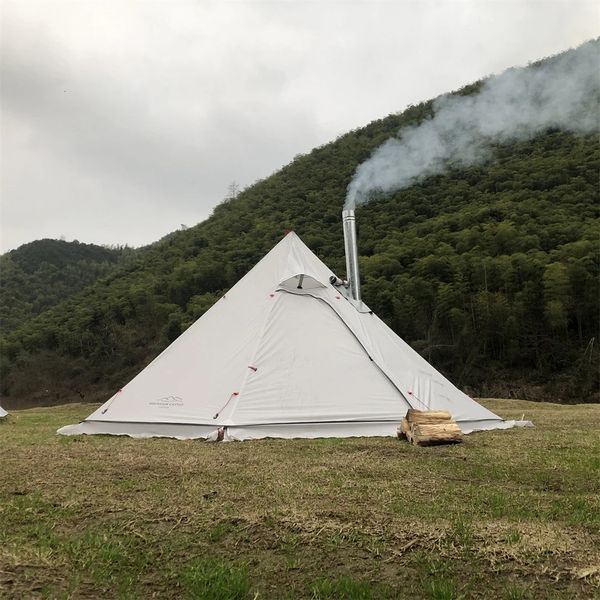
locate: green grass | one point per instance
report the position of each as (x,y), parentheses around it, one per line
(216,580)
(347,588)
(507,514)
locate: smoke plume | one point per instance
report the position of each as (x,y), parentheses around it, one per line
(563,93)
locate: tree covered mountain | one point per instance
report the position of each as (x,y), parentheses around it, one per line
(43,273)
(490,272)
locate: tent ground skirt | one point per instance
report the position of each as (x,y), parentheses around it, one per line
(256,432)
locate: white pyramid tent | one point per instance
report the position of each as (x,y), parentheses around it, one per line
(283,354)
(3,413)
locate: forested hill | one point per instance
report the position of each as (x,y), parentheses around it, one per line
(43,273)
(490,272)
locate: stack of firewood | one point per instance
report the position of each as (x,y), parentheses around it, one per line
(429,427)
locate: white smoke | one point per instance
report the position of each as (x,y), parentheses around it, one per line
(562,93)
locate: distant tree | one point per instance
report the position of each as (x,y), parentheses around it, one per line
(233,191)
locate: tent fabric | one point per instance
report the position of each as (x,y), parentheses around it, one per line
(3,413)
(283,353)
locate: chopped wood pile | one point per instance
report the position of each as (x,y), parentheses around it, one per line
(429,427)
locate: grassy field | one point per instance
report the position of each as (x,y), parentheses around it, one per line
(509,514)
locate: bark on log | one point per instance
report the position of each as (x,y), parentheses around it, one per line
(426,434)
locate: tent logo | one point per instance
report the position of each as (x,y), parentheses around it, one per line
(167,401)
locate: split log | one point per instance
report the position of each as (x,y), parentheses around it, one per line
(428,416)
(429,427)
(404,430)
(430,434)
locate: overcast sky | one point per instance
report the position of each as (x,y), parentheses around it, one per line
(122,120)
